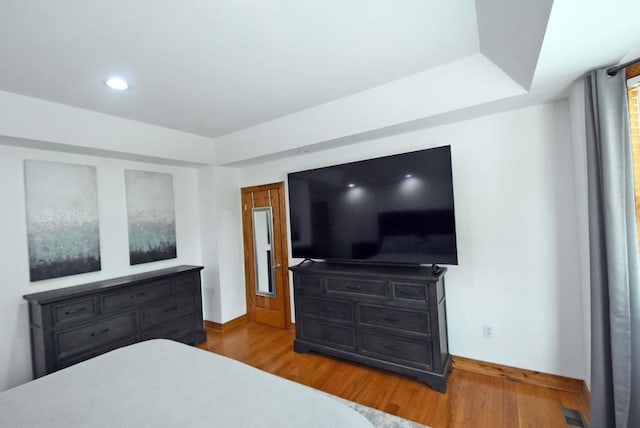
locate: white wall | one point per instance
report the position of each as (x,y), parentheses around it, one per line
(222,249)
(15,356)
(578,139)
(211,306)
(518,249)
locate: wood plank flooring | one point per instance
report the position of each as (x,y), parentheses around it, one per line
(472,399)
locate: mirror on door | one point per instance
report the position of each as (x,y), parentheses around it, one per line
(263,252)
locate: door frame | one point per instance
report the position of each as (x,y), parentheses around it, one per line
(249,266)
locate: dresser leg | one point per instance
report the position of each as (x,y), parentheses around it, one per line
(300,348)
(439,385)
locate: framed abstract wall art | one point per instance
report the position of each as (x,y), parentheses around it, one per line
(151,216)
(62,219)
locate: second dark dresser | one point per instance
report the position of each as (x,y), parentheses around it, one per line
(72,324)
(391,317)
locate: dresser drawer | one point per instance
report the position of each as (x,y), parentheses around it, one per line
(172,309)
(94,352)
(417,353)
(357,287)
(329,309)
(135,296)
(188,284)
(397,319)
(73,341)
(410,293)
(71,311)
(308,285)
(174,330)
(329,334)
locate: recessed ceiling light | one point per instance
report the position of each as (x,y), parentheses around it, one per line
(117,83)
(352,185)
(408,176)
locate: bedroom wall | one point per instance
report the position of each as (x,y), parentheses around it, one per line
(15,357)
(579,142)
(519,257)
(221,227)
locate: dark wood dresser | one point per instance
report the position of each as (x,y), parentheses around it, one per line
(390,317)
(72,324)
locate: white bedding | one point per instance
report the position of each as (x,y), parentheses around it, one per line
(160,383)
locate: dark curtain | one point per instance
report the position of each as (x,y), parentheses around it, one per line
(615,271)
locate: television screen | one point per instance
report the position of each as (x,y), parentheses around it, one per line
(393,209)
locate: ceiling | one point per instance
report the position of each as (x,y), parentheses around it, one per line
(213,68)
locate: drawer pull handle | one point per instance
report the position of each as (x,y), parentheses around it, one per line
(172,308)
(408,292)
(75,311)
(354,287)
(326,309)
(389,319)
(106,330)
(133,296)
(391,347)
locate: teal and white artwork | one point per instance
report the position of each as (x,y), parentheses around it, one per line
(151,216)
(62,219)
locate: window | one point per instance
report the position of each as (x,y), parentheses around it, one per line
(633,90)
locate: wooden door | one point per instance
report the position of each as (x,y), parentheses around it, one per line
(273,309)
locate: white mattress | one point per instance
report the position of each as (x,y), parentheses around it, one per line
(160,383)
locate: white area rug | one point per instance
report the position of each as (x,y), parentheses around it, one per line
(378,418)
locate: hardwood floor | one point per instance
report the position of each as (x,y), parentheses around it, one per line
(472,399)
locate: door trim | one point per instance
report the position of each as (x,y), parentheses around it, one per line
(279,187)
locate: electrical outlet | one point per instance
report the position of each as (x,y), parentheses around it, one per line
(487,331)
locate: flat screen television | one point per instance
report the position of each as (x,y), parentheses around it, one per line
(390,210)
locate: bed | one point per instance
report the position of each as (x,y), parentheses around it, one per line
(161,383)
